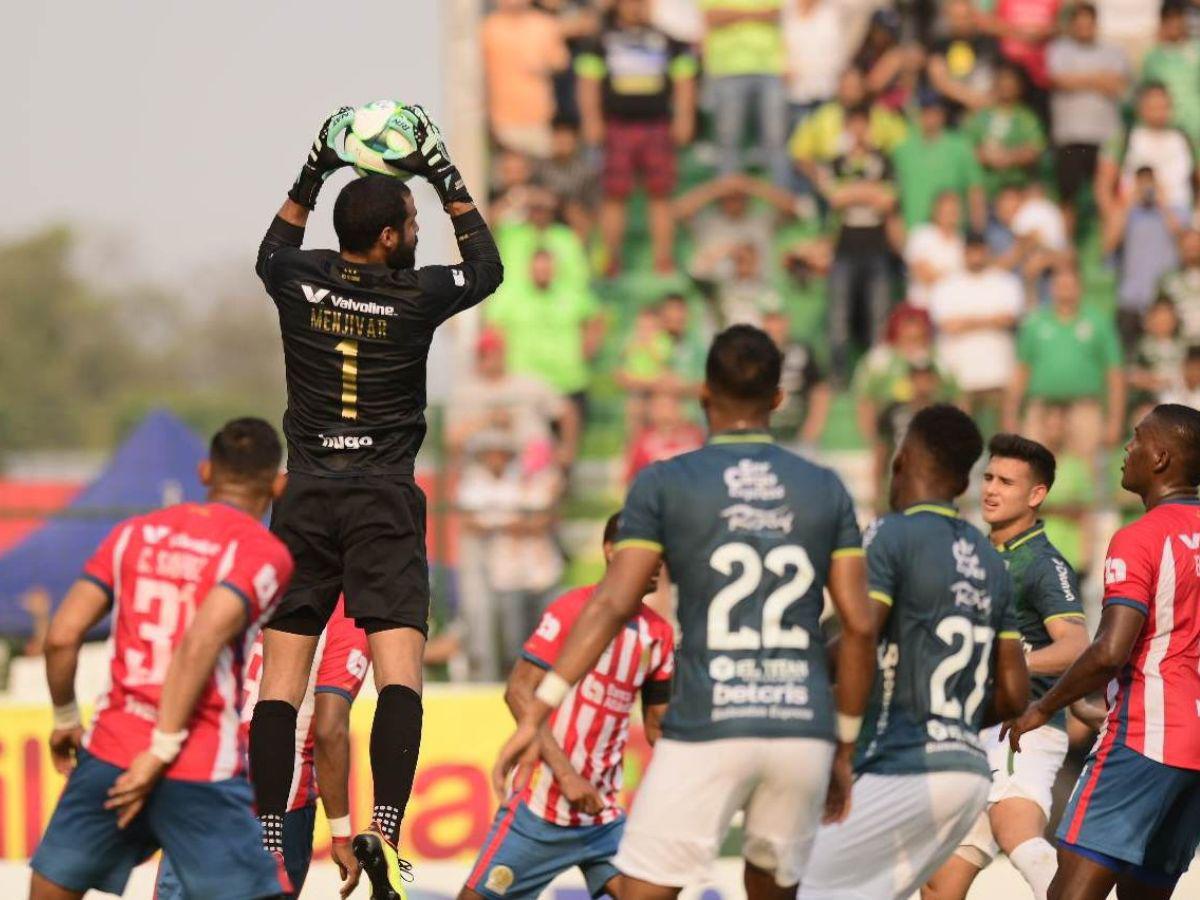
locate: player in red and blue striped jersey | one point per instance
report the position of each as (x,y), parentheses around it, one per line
(322,732)
(162,764)
(1133,820)
(566,812)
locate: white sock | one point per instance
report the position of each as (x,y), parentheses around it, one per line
(1037,861)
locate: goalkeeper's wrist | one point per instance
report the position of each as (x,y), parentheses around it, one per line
(66,716)
(448,182)
(306,187)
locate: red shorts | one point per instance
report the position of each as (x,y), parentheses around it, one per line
(633,149)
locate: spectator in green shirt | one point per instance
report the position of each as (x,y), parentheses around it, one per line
(518,242)
(1175,62)
(550,330)
(1069,363)
(744,60)
(933,160)
(1006,134)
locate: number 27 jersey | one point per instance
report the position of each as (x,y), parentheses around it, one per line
(951,598)
(748,532)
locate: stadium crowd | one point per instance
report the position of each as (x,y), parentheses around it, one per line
(990,202)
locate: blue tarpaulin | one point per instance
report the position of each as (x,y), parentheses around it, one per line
(155,466)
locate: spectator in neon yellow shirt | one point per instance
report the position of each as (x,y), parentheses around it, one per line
(744,61)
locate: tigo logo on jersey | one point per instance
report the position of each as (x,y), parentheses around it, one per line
(347,442)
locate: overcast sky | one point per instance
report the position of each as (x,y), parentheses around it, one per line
(174,129)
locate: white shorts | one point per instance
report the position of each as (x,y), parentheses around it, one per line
(900,830)
(1032,776)
(692,789)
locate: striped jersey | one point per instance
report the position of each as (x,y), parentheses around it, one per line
(592,723)
(1153,566)
(340,666)
(158,569)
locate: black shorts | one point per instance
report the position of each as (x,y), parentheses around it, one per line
(1074,169)
(364,536)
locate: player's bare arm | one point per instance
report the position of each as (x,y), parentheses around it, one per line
(1010,691)
(616,599)
(82,609)
(518,694)
(220,618)
(855,668)
(331,750)
(1068,635)
(652,716)
(1119,628)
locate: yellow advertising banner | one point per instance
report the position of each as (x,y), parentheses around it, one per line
(452,802)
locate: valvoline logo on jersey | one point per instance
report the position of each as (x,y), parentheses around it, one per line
(316,295)
(346,441)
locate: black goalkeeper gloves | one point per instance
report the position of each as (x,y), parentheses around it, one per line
(323,159)
(431,161)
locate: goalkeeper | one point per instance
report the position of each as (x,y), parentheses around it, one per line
(357,325)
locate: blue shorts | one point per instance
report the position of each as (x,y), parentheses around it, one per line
(297,855)
(523,853)
(1134,815)
(206,827)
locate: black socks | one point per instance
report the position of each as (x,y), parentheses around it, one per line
(395,742)
(272,749)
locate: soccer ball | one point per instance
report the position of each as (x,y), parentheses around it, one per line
(380,133)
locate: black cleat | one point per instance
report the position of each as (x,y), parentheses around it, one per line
(383,866)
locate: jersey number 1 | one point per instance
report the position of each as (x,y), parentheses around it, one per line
(349,351)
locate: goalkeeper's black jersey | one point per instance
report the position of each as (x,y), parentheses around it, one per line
(355,345)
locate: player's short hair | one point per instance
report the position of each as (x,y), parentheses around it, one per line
(246,449)
(1040,460)
(950,437)
(744,364)
(365,207)
(1181,425)
(611,527)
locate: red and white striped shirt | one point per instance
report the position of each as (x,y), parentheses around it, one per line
(592,724)
(158,569)
(341,661)
(1153,566)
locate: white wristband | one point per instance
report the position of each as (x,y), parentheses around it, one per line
(167,746)
(66,716)
(340,827)
(848,728)
(552,689)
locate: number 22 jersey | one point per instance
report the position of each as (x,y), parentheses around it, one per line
(748,531)
(158,569)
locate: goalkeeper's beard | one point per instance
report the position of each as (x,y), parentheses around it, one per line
(403,257)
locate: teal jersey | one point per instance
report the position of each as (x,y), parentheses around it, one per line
(1045,587)
(950,597)
(748,531)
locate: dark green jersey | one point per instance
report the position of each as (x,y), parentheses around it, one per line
(950,597)
(748,532)
(1045,587)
